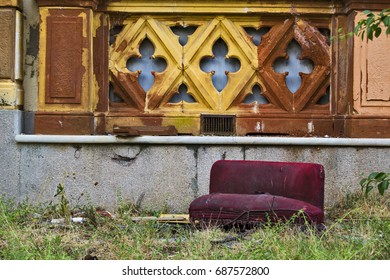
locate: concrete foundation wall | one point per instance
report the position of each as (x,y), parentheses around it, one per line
(10,125)
(156,177)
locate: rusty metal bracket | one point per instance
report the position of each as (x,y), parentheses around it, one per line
(125,131)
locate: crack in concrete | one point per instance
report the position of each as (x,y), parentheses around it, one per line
(77,151)
(140,199)
(194,181)
(125,160)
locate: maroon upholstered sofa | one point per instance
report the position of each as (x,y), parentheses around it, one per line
(250,192)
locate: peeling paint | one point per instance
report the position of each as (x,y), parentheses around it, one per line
(284,114)
(258,127)
(33,39)
(310,127)
(4,102)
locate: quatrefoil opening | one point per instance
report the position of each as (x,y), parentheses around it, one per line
(146,64)
(293,66)
(220,65)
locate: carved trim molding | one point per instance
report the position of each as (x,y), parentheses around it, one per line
(69,3)
(351,5)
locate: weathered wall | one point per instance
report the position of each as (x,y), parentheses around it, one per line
(155,176)
(171,176)
(78,67)
(31,37)
(371,75)
(159,176)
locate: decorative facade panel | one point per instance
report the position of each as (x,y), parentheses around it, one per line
(64,54)
(7,43)
(225,67)
(216,65)
(65,62)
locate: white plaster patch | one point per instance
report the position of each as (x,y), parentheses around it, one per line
(258,126)
(310,127)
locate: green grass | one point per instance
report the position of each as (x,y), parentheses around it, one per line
(357,228)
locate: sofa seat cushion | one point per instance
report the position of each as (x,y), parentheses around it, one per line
(229,208)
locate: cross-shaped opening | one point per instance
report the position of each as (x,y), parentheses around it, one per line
(255,96)
(183,33)
(182,95)
(293,65)
(219,65)
(146,64)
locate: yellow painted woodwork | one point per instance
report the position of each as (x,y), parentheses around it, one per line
(183,63)
(224,6)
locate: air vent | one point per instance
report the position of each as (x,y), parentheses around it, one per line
(218,124)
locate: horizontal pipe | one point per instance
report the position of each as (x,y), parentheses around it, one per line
(203,140)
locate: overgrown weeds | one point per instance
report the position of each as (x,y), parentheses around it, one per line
(357,228)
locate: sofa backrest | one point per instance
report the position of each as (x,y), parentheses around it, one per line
(302,181)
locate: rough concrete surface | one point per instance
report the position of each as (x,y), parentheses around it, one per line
(169,177)
(152,177)
(155,177)
(9,153)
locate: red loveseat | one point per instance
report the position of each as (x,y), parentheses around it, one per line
(251,192)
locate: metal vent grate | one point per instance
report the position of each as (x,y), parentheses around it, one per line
(218,124)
